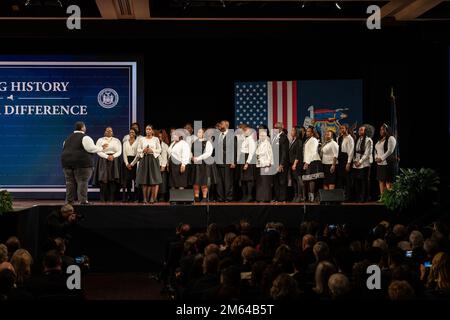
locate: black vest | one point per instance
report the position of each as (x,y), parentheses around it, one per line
(392,158)
(74,155)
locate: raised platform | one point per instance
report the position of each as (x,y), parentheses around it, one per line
(133,237)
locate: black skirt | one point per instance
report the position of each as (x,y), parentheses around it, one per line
(106,171)
(313,172)
(149,172)
(263,186)
(127,176)
(176,178)
(328,177)
(203,174)
(387,173)
(164,186)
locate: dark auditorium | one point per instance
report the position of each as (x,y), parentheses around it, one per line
(225,158)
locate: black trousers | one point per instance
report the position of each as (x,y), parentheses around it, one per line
(108,191)
(225,183)
(361,184)
(280,184)
(344,179)
(297,184)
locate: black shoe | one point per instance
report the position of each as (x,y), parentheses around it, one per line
(196,199)
(86,203)
(204,200)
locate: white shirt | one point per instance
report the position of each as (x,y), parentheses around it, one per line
(190,139)
(365,158)
(180,151)
(127,137)
(330,150)
(206,153)
(310,152)
(152,143)
(164,155)
(114,147)
(249,146)
(130,150)
(348,146)
(264,154)
(379,150)
(88,143)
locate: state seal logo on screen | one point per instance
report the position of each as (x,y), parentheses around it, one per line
(108,98)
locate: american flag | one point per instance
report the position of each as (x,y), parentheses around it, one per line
(266,103)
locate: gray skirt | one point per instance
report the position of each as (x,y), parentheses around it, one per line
(149,172)
(106,171)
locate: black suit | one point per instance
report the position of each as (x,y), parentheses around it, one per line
(296,153)
(281,178)
(225,144)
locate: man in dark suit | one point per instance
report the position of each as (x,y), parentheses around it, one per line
(280,144)
(225,156)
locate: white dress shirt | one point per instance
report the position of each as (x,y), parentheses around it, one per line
(164,155)
(310,152)
(88,143)
(180,151)
(348,146)
(152,143)
(114,147)
(249,146)
(330,150)
(206,153)
(127,137)
(130,150)
(264,154)
(363,159)
(379,150)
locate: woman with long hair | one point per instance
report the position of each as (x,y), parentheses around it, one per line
(149,172)
(385,158)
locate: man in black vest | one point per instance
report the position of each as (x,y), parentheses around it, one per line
(280,141)
(225,156)
(77,163)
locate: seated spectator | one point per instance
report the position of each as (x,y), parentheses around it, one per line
(225,249)
(400,291)
(323,272)
(207,281)
(7,278)
(13,244)
(22,261)
(438,282)
(213,234)
(61,248)
(249,255)
(339,286)
(284,288)
(212,248)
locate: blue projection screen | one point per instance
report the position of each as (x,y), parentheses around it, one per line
(39,103)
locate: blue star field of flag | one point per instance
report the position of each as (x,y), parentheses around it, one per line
(251,103)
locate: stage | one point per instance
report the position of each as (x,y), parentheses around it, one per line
(131,237)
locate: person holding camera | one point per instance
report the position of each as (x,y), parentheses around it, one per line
(60,223)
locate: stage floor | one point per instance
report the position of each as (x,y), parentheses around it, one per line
(19,205)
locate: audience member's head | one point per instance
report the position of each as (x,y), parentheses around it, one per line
(213,233)
(321,251)
(52,261)
(431,247)
(380,243)
(400,290)
(22,261)
(229,238)
(439,277)
(416,239)
(249,255)
(239,243)
(190,245)
(212,248)
(323,272)
(67,210)
(284,288)
(339,285)
(308,241)
(399,231)
(13,244)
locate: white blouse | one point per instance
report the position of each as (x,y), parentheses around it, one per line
(164,155)
(152,143)
(180,151)
(264,154)
(249,146)
(310,150)
(379,150)
(365,158)
(130,150)
(348,146)
(114,147)
(207,152)
(330,150)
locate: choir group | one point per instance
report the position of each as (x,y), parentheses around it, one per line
(147,166)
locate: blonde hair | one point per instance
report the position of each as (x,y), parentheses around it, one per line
(22,261)
(439,276)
